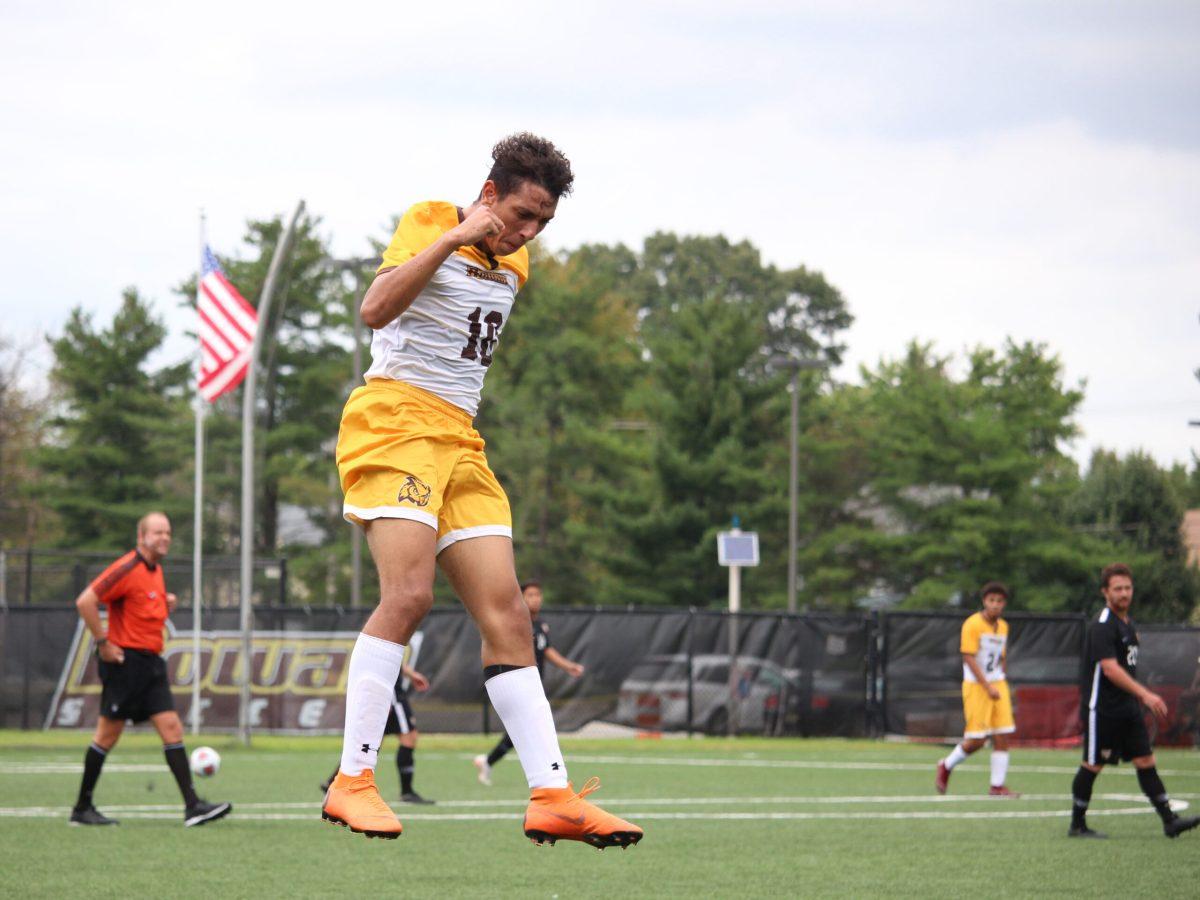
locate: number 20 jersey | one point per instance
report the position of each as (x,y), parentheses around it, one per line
(444,342)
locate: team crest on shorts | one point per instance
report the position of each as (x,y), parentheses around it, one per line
(415,491)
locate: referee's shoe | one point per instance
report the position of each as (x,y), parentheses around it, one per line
(202,812)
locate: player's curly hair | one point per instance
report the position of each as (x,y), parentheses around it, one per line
(527,157)
(1107,573)
(994,587)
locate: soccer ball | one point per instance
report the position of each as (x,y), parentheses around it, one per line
(205,761)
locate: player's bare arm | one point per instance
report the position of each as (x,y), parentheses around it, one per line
(569,666)
(1120,678)
(394,290)
(419,681)
(88,605)
(972,663)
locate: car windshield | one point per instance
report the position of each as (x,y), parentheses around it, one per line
(660,670)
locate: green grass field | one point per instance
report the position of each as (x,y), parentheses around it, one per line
(723,818)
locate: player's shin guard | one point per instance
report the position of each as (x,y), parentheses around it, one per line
(177,761)
(1081,793)
(1156,791)
(93,762)
(370,685)
(521,703)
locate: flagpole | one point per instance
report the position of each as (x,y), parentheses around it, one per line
(198,504)
(282,248)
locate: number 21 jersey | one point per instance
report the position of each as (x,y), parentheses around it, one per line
(987,643)
(444,342)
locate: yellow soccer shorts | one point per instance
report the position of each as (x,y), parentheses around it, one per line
(984,715)
(404,453)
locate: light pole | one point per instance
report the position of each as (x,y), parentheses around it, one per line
(355,266)
(794,365)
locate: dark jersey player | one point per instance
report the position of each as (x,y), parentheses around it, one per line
(543,651)
(1112,701)
(401,722)
(132,673)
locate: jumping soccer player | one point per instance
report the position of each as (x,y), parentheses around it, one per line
(987,705)
(532,592)
(416,479)
(132,673)
(1112,703)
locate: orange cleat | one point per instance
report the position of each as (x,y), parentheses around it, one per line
(354,801)
(561,814)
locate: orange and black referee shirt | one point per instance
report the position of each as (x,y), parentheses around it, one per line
(136,597)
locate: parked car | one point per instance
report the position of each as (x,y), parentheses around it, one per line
(655,694)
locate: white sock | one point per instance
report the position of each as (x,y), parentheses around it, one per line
(370,686)
(956,756)
(521,703)
(999,767)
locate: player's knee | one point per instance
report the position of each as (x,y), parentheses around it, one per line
(409,600)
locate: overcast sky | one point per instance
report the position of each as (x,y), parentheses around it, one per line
(962,171)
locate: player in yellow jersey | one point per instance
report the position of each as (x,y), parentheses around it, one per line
(416,479)
(987,705)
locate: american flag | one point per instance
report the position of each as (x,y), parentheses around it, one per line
(227,324)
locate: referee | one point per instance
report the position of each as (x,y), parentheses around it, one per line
(133,674)
(1112,708)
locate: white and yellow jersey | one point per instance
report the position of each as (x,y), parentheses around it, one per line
(987,643)
(444,342)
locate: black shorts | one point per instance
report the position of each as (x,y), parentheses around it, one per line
(1109,739)
(400,717)
(135,689)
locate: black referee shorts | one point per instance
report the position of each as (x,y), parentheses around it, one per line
(400,717)
(135,689)
(1109,739)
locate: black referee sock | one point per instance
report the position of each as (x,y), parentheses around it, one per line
(404,762)
(93,762)
(1081,791)
(1153,788)
(177,761)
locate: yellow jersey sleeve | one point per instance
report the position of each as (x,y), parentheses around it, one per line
(419,227)
(971,631)
(424,223)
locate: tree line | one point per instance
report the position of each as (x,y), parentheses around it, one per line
(635,406)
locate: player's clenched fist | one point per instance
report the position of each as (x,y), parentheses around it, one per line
(479,225)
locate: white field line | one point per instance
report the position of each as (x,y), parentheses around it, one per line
(515,803)
(845,766)
(307,812)
(312,818)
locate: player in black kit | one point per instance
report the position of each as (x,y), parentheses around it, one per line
(542,651)
(1112,708)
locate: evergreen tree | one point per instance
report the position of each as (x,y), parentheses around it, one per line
(712,317)
(117,431)
(1135,508)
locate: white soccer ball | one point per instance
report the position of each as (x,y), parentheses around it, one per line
(205,761)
